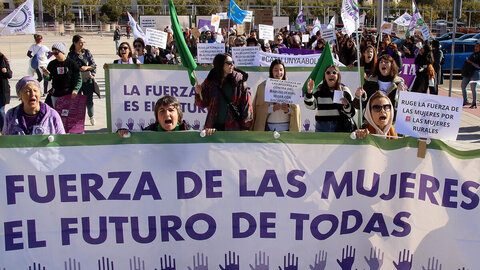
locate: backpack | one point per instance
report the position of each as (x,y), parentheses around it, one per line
(34,62)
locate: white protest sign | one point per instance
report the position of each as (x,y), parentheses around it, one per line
(328,34)
(387,28)
(146,22)
(425,32)
(428,116)
(215,21)
(249,16)
(156,38)
(207,51)
(362,20)
(281,91)
(337,96)
(305,38)
(265,32)
(222,15)
(245,56)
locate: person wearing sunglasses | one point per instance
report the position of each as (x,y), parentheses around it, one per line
(64,74)
(385,79)
(142,56)
(330,116)
(268,116)
(379,114)
(225,95)
(84,59)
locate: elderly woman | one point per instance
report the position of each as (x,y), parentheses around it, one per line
(225,95)
(268,116)
(31,117)
(168,117)
(379,114)
(385,79)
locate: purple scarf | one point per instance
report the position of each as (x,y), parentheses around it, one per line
(38,119)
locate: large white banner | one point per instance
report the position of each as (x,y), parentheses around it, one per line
(264,59)
(131,102)
(159,203)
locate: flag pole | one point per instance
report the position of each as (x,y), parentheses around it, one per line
(360,117)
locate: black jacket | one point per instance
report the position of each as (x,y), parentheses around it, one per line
(5,86)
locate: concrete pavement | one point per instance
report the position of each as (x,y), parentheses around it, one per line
(103,48)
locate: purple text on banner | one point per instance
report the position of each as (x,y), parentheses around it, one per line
(72,112)
(408,71)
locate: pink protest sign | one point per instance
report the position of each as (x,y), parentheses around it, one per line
(72,112)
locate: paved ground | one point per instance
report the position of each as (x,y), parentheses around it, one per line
(103,48)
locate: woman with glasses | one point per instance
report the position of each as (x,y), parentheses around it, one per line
(140,54)
(225,95)
(379,114)
(268,116)
(385,79)
(330,116)
(125,53)
(84,59)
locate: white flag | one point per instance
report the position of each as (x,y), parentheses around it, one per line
(316,27)
(350,16)
(331,25)
(403,20)
(136,30)
(20,21)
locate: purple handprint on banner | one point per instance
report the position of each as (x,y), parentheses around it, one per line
(196,124)
(289,264)
(405,261)
(36,267)
(119,123)
(137,266)
(168,264)
(231,264)
(130,124)
(105,264)
(260,262)
(141,123)
(347,258)
(199,265)
(433,266)
(375,261)
(72,266)
(306,125)
(320,261)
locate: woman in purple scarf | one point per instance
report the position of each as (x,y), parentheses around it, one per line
(31,117)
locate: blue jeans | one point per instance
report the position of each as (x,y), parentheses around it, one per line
(465,81)
(326,126)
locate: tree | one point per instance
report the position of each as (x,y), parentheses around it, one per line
(60,8)
(179,6)
(212,9)
(151,10)
(114,9)
(291,12)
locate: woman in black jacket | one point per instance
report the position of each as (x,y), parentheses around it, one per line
(5,74)
(423,60)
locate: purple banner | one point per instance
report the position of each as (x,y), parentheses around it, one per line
(72,112)
(407,71)
(294,51)
(202,23)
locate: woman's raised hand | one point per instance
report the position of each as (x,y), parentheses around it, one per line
(310,85)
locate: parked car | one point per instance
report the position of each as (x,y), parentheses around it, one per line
(474,38)
(448,36)
(470,35)
(463,50)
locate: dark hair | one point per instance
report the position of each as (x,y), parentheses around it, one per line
(216,73)
(324,85)
(273,64)
(168,101)
(252,40)
(5,59)
(374,60)
(75,39)
(37,38)
(139,40)
(435,44)
(427,51)
(129,48)
(393,69)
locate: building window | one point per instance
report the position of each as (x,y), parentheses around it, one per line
(6,5)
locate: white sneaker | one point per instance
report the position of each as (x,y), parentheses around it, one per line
(92,121)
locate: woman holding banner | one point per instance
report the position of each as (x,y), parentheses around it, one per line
(225,95)
(385,79)
(269,116)
(330,116)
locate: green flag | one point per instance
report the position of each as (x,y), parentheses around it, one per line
(185,55)
(325,60)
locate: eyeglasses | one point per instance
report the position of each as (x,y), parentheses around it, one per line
(138,46)
(332,72)
(378,108)
(229,63)
(123,48)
